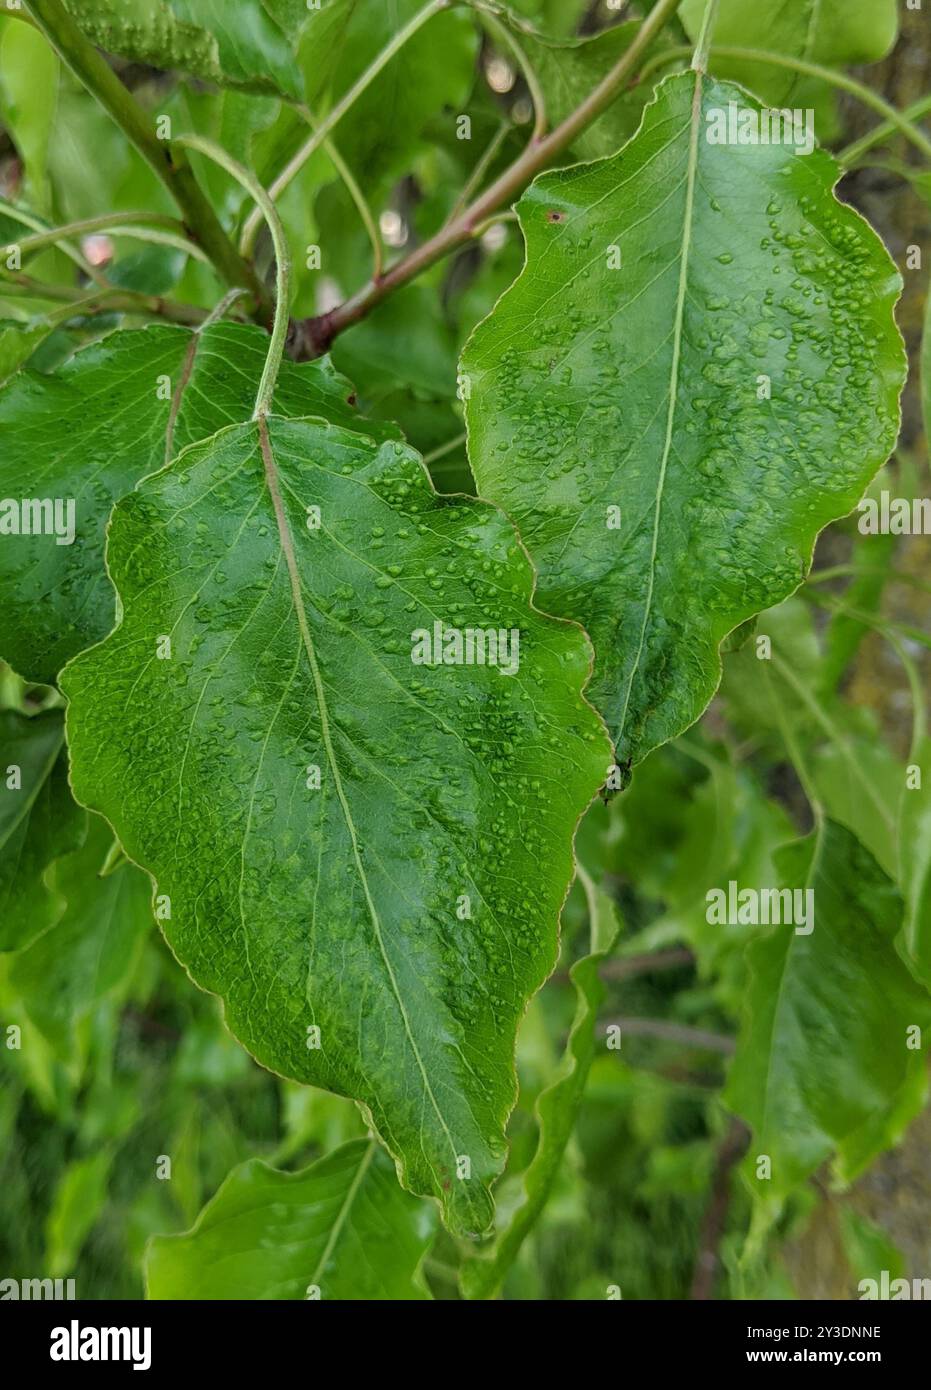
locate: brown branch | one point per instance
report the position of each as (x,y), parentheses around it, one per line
(314,335)
(671,1032)
(629,967)
(731,1150)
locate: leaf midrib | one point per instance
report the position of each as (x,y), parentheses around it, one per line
(681,294)
(287,546)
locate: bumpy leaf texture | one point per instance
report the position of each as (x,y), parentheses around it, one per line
(249,44)
(87,433)
(350,841)
(697,370)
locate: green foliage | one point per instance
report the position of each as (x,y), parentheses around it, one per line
(307,633)
(831,1058)
(653,323)
(248,45)
(296,999)
(341,1228)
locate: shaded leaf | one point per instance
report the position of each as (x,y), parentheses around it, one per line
(39,821)
(340,1229)
(834,33)
(823,1063)
(914,842)
(615,406)
(89,953)
(556,1107)
(249,44)
(29,70)
(430,75)
(18,341)
(76,1206)
(569,68)
(336,901)
(89,432)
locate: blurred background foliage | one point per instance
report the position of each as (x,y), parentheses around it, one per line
(123,1061)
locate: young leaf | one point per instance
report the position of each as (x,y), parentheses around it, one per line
(249,44)
(90,951)
(340,1229)
(364,855)
(39,821)
(556,1107)
(86,434)
(826,1060)
(697,370)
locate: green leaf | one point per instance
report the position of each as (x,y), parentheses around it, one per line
(823,1062)
(77,1203)
(568,69)
(89,432)
(29,70)
(835,33)
(557,1106)
(439,789)
(614,413)
(914,842)
(249,44)
(89,953)
(39,821)
(431,75)
(18,341)
(925,368)
(340,1229)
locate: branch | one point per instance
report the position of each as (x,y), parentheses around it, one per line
(629,967)
(104,300)
(296,164)
(731,1151)
(169,163)
(672,1032)
(314,335)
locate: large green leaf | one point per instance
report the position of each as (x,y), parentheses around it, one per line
(249,44)
(340,1229)
(39,821)
(824,1064)
(831,32)
(88,954)
(615,413)
(557,1106)
(89,432)
(443,790)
